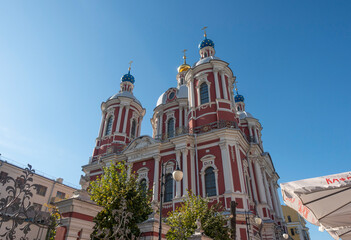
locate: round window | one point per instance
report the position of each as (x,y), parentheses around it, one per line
(171,95)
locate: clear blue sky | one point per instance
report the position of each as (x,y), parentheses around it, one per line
(60,59)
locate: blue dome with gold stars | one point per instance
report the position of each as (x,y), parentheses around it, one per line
(128,78)
(239,98)
(206,43)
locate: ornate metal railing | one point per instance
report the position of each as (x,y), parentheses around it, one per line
(198,130)
(18,214)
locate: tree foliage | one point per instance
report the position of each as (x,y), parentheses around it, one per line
(125,203)
(183,220)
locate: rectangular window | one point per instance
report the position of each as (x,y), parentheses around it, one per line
(20,182)
(3,175)
(41,190)
(292,232)
(60,195)
(289,219)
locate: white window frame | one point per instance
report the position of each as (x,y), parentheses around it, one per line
(143,173)
(109,114)
(208,161)
(203,79)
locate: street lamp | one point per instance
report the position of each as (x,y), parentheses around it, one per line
(257,220)
(178,176)
(279,231)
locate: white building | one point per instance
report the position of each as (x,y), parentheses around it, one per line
(46,192)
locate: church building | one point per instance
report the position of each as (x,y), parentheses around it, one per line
(201,125)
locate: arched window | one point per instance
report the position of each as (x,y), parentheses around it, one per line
(132,131)
(210,182)
(170,127)
(181,81)
(143,185)
(168,188)
(109,126)
(204,93)
(205,55)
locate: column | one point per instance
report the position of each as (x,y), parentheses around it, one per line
(267,188)
(119,117)
(125,119)
(178,194)
(218,94)
(252,176)
(193,171)
(227,170)
(102,123)
(185,171)
(275,204)
(281,215)
(156,178)
(256,137)
(186,117)
(240,168)
(260,182)
(192,95)
(139,126)
(180,116)
(224,86)
(160,120)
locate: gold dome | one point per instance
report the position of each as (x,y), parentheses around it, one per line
(184,67)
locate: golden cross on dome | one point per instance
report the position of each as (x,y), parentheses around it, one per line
(184,57)
(130,65)
(236,87)
(204,28)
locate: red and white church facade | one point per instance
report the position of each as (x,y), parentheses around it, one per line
(203,126)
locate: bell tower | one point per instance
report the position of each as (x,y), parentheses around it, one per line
(210,85)
(122,115)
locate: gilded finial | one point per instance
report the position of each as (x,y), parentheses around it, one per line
(130,65)
(184,57)
(236,87)
(204,29)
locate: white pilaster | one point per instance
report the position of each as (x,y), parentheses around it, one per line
(160,120)
(191,94)
(267,188)
(252,176)
(260,182)
(186,117)
(119,117)
(240,168)
(192,171)
(227,170)
(218,94)
(102,123)
(185,171)
(180,116)
(125,119)
(224,86)
(156,178)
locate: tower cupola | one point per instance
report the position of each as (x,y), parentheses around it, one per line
(182,70)
(239,100)
(206,46)
(127,81)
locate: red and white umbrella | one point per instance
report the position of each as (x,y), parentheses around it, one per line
(323,201)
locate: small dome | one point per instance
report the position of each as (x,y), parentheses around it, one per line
(128,78)
(182,92)
(239,98)
(206,43)
(243,115)
(124,94)
(184,67)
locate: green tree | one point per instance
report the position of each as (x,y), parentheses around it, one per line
(125,203)
(183,220)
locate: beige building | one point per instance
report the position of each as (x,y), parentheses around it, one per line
(296,225)
(47,192)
